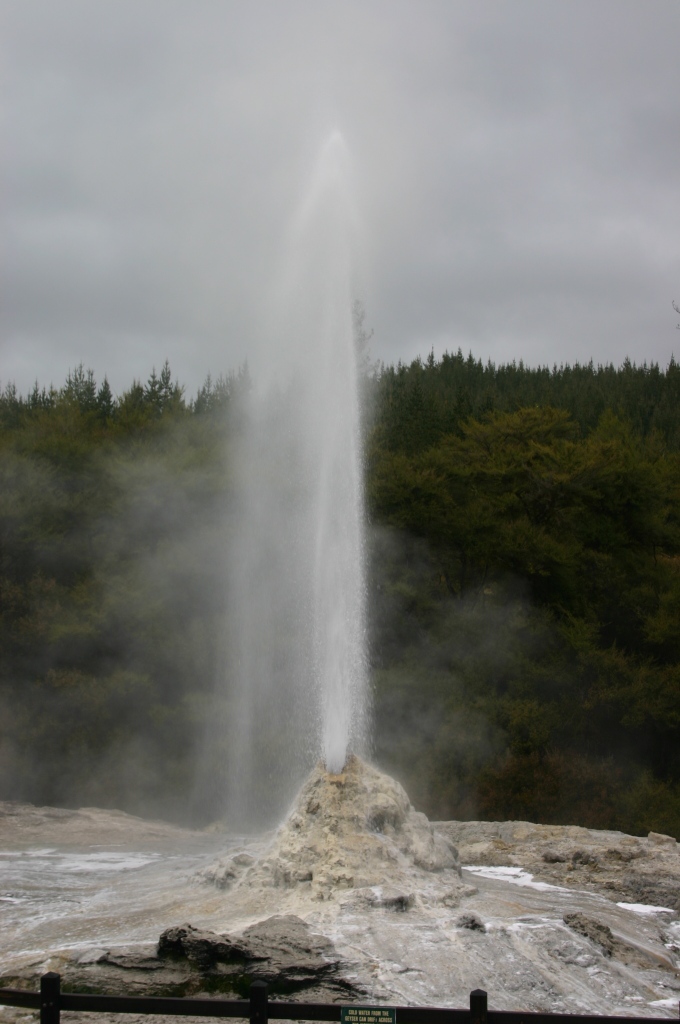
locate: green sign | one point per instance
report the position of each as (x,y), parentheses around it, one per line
(368,1015)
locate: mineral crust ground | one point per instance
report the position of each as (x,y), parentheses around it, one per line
(356,897)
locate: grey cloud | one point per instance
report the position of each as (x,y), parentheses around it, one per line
(516,168)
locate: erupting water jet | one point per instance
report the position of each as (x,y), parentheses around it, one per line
(297,688)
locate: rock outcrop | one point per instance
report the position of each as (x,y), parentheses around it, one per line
(631,869)
(188,961)
(281,950)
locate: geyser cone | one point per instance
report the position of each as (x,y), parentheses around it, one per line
(351,830)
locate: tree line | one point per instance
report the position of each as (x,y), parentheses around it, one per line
(524,588)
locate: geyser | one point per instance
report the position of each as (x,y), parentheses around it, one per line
(336,493)
(296,676)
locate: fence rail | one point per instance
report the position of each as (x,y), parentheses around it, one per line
(259,1009)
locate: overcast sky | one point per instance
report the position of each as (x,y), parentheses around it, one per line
(516,165)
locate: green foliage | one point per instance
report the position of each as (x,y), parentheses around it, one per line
(524,587)
(111,593)
(415,405)
(583,527)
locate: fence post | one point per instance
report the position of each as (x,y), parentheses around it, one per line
(478,1007)
(258,1003)
(50,988)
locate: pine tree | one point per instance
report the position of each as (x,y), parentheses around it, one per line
(166,389)
(81,389)
(105,403)
(152,392)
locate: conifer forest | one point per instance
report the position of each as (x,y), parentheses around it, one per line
(523,549)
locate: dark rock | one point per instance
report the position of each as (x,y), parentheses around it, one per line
(132,971)
(658,892)
(584,857)
(553,857)
(133,958)
(284,950)
(610,945)
(593,930)
(280,950)
(620,856)
(189,961)
(471,922)
(638,888)
(203,949)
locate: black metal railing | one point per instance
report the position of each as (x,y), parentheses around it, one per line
(259,1009)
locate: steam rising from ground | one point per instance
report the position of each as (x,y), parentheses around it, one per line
(296,640)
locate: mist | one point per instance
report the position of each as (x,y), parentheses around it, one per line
(297,689)
(118,641)
(159,592)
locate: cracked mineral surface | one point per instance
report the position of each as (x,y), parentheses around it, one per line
(356,897)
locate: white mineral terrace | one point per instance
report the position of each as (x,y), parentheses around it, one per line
(361,867)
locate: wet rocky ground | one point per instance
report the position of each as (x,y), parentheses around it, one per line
(624,868)
(542,917)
